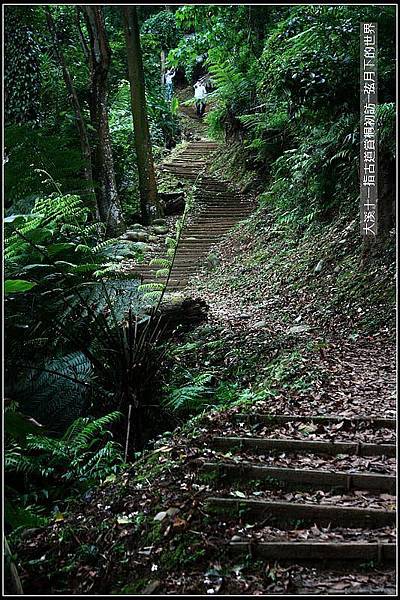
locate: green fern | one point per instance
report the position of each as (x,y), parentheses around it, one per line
(162,272)
(151,287)
(193,395)
(152,297)
(160,262)
(79,456)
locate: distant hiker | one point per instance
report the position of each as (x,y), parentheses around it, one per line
(200,94)
(169,86)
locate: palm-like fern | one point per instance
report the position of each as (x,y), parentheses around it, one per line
(80,456)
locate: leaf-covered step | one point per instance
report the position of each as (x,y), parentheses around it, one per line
(276,476)
(311,446)
(379,553)
(322,419)
(321,514)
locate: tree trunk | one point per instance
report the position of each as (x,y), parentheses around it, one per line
(184,312)
(149,204)
(103,164)
(80,123)
(162,59)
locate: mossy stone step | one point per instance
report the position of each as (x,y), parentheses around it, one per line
(379,553)
(321,514)
(314,446)
(316,479)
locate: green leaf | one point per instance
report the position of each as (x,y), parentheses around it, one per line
(19,426)
(19,218)
(17,285)
(57,248)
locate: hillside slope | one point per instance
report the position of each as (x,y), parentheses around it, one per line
(301,324)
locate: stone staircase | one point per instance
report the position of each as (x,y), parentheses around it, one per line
(216,210)
(355,505)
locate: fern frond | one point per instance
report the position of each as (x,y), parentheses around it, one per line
(152,296)
(170,242)
(151,287)
(162,273)
(160,262)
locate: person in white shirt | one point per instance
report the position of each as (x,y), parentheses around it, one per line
(200,94)
(169,86)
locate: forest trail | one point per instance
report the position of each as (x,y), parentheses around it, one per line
(324,485)
(312,495)
(295,488)
(273,452)
(216,209)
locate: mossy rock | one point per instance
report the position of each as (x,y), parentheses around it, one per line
(160,230)
(136,226)
(136,236)
(142,246)
(159,222)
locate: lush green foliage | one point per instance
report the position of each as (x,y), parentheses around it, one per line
(162,27)
(82,338)
(55,468)
(282,95)
(21,68)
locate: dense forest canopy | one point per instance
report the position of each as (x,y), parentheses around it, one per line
(88,122)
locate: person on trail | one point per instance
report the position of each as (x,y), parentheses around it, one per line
(200,94)
(169,86)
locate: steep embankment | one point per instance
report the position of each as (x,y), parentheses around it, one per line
(285,481)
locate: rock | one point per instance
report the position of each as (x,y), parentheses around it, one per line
(259,324)
(319,267)
(136,236)
(298,329)
(153,238)
(136,226)
(175,297)
(336,269)
(212,261)
(159,222)
(160,516)
(142,246)
(171,512)
(186,312)
(236,538)
(160,230)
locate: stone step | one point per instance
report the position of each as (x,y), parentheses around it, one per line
(379,553)
(214,225)
(286,477)
(320,514)
(322,419)
(311,446)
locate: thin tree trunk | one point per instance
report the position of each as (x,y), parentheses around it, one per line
(14,576)
(80,123)
(149,204)
(103,163)
(162,58)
